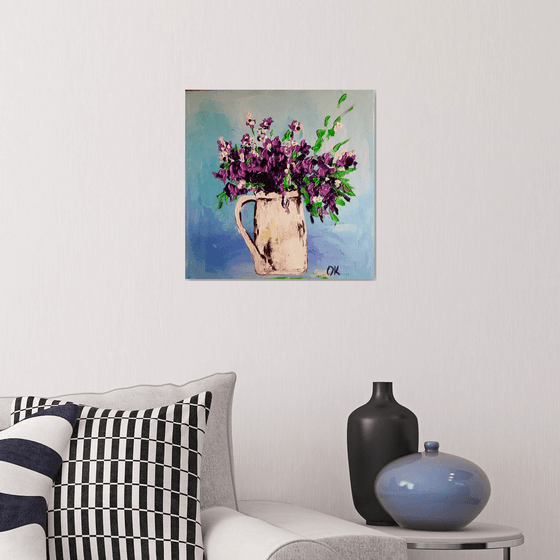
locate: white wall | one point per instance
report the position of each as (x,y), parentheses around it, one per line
(464,314)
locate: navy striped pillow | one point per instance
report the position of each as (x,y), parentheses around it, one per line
(30,457)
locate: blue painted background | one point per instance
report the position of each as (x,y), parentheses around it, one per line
(214,247)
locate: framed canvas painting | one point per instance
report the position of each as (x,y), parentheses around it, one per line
(280,184)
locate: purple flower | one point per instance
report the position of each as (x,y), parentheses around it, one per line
(234,191)
(249,121)
(327,158)
(346,160)
(307,166)
(265,125)
(224,147)
(323,168)
(222,175)
(304,148)
(295,126)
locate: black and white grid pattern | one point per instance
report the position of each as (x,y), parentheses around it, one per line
(129,487)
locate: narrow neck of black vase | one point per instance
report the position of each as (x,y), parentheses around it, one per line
(382,391)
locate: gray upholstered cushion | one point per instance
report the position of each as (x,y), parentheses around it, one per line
(230,535)
(217,481)
(349,540)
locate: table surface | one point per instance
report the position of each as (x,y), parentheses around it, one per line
(474,535)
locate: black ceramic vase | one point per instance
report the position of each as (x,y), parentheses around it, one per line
(379,432)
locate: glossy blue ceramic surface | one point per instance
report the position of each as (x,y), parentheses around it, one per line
(432,491)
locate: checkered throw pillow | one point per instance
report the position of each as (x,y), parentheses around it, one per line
(129,485)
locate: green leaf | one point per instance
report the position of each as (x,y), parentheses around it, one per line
(341,100)
(340,174)
(348,110)
(286,136)
(305,194)
(337,146)
(334,217)
(340,201)
(222,198)
(327,121)
(320,134)
(331,132)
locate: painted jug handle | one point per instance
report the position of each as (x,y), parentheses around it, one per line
(241,201)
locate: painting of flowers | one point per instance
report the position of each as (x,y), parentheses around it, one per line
(280,184)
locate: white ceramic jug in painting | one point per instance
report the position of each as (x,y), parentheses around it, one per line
(279,245)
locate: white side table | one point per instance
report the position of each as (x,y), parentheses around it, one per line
(473,536)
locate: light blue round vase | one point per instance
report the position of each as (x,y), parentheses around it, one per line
(432,491)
